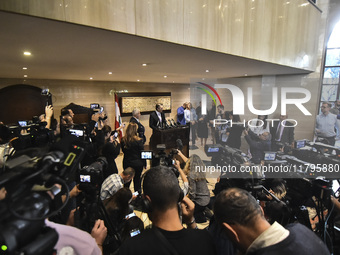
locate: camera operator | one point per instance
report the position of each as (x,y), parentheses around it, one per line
(242,219)
(117,206)
(184,178)
(115,182)
(66,118)
(67,112)
(161,195)
(282,133)
(258,144)
(47,116)
(96,127)
(110,150)
(273,210)
(198,189)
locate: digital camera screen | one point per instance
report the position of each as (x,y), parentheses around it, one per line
(134,232)
(77,132)
(94,106)
(300,144)
(146,154)
(269,155)
(85,178)
(213,149)
(22,123)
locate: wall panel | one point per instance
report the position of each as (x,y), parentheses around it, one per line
(86,92)
(114,15)
(160,19)
(277,31)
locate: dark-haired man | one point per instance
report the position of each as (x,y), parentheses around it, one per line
(162,193)
(282,133)
(258,144)
(115,182)
(157,118)
(156,121)
(242,218)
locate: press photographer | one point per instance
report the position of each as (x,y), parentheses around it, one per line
(31,198)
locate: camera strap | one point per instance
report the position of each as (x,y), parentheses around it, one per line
(164,241)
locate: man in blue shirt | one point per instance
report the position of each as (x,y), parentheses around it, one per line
(180,114)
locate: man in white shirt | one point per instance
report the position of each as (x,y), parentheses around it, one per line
(326,123)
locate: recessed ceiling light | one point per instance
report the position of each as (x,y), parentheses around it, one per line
(165,76)
(27,53)
(110,72)
(207,71)
(24,68)
(25,75)
(144,64)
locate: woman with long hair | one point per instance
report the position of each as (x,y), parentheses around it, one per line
(132,145)
(110,150)
(198,188)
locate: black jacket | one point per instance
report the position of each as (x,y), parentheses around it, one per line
(132,154)
(154,121)
(257,147)
(287,133)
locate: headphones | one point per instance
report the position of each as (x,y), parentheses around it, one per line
(146,203)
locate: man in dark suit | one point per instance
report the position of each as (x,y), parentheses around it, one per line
(282,133)
(135,119)
(157,118)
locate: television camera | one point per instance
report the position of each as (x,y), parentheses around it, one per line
(313,168)
(32,179)
(30,133)
(35,179)
(163,159)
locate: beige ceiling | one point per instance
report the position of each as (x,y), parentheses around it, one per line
(72,52)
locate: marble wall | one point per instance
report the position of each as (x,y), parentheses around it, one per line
(279,31)
(86,92)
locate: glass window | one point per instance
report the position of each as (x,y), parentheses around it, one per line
(331,75)
(334,39)
(329,92)
(333,57)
